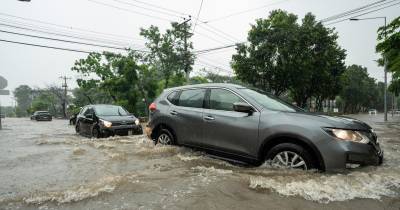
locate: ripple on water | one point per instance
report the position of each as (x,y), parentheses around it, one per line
(327,188)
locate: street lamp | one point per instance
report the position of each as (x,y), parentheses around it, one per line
(385,62)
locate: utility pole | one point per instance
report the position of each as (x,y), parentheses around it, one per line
(64,103)
(185,45)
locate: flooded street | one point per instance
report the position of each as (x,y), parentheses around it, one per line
(46,165)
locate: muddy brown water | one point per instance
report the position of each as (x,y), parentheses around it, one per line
(45,165)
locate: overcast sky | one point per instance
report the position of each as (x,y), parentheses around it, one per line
(38,67)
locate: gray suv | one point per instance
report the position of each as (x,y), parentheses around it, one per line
(242,124)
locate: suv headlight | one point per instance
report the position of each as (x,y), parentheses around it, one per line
(137,122)
(348,135)
(106,123)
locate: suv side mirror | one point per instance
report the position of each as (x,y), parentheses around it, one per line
(242,107)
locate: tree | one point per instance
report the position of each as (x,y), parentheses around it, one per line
(284,56)
(84,96)
(23,94)
(360,91)
(122,77)
(267,61)
(170,53)
(389,46)
(320,63)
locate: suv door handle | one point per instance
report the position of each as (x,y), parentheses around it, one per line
(173,112)
(209,118)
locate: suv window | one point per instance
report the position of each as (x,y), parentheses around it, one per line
(221,99)
(192,98)
(172,97)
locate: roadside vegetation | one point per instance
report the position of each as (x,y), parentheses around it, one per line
(295,58)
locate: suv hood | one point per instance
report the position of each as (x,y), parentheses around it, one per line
(334,122)
(128,118)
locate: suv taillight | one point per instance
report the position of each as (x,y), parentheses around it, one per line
(152,107)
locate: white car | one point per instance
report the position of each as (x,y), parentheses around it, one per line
(372,112)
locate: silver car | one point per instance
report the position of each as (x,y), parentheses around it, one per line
(242,124)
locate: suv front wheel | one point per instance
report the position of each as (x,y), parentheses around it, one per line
(164,137)
(290,156)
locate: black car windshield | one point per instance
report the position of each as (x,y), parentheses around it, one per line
(271,102)
(41,112)
(110,111)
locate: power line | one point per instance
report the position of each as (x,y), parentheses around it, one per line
(54,33)
(242,12)
(64,26)
(62,40)
(217,67)
(215,48)
(339,21)
(163,8)
(211,38)
(197,16)
(334,17)
(146,8)
(45,46)
(358,10)
(219,31)
(218,63)
(130,11)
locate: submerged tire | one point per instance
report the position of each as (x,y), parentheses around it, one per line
(77,127)
(291,156)
(95,132)
(165,137)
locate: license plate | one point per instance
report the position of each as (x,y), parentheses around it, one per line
(130,132)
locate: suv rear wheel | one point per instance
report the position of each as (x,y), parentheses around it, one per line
(290,156)
(164,137)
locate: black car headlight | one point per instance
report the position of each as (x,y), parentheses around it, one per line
(106,123)
(348,135)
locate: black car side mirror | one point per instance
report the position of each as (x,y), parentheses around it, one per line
(243,107)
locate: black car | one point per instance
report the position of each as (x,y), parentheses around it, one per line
(106,120)
(41,116)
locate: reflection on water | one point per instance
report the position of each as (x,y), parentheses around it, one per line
(47,164)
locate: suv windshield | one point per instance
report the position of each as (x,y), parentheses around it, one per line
(111,111)
(271,102)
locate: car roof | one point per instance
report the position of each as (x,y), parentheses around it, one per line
(206,85)
(97,105)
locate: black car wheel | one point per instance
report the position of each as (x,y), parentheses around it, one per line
(290,156)
(164,137)
(78,127)
(96,132)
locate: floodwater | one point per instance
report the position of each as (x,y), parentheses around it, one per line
(45,165)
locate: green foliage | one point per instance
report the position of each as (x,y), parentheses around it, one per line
(84,96)
(8,111)
(360,92)
(121,77)
(23,95)
(284,56)
(216,78)
(47,99)
(389,47)
(169,55)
